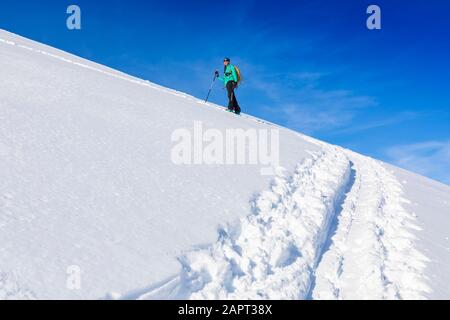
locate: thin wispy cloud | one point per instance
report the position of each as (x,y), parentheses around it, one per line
(429,158)
(302,104)
(389,120)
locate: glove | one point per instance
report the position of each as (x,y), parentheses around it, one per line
(216,73)
(235,85)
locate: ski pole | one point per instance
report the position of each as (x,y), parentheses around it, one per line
(210,88)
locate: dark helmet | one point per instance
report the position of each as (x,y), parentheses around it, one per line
(226,59)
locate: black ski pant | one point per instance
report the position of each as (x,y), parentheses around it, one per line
(232,101)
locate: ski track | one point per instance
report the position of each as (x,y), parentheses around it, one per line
(335,229)
(272,253)
(372,255)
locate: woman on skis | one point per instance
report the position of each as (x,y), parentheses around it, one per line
(230,79)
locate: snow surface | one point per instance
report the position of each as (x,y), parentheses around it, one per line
(87,180)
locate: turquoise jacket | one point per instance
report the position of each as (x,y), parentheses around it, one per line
(230,75)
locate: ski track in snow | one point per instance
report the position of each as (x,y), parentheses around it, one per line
(272,253)
(335,229)
(372,253)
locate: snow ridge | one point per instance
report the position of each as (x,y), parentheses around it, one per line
(273,252)
(119,75)
(372,255)
(112,73)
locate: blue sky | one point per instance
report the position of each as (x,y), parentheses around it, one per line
(312,66)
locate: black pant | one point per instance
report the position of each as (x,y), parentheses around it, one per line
(232,101)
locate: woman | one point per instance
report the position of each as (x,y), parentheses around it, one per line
(230,80)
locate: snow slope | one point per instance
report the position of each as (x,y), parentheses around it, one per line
(87,180)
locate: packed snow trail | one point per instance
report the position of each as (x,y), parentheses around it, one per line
(273,252)
(336,229)
(372,254)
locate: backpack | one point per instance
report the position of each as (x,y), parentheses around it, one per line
(239,75)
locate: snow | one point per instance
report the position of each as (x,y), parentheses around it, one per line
(429,202)
(88,181)
(373,237)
